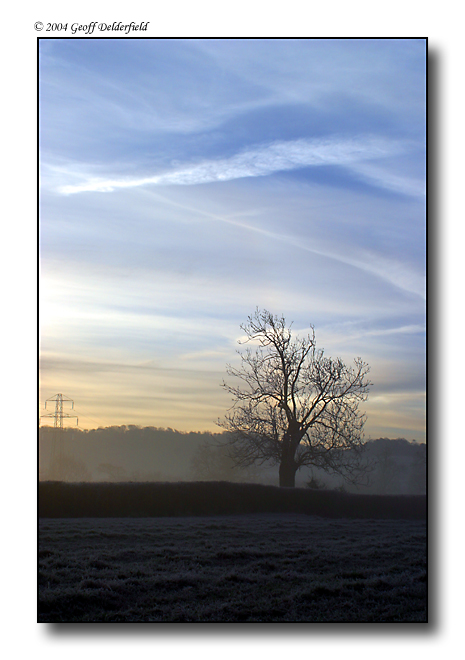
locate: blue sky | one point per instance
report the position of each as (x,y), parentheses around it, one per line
(185,182)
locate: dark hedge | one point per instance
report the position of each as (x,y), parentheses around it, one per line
(101,500)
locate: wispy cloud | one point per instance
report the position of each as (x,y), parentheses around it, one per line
(384,178)
(344,333)
(320,145)
(389,269)
(260,160)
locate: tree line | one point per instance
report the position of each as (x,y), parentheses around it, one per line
(141,454)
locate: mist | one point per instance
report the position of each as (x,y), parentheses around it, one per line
(149,454)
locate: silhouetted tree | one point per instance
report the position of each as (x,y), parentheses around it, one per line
(294,406)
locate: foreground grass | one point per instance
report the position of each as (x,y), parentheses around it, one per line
(256,567)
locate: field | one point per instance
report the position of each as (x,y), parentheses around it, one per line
(256,567)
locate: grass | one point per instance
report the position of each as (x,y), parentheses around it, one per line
(284,567)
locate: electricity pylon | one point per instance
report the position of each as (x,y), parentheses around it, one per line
(59,414)
(56,449)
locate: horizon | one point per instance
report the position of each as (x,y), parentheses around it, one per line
(174,430)
(184,182)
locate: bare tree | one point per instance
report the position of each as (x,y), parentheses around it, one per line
(294,406)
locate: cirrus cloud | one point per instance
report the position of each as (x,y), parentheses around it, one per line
(261,160)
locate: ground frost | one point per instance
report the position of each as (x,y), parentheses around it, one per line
(257,568)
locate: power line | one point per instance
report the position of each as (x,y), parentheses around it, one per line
(99,422)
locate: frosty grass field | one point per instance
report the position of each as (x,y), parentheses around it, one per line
(238,568)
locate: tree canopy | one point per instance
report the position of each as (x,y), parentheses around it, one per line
(294,406)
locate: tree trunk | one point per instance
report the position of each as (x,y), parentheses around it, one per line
(287,470)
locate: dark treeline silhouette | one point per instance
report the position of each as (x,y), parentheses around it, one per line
(65,500)
(149,454)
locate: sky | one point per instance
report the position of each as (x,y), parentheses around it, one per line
(183,183)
